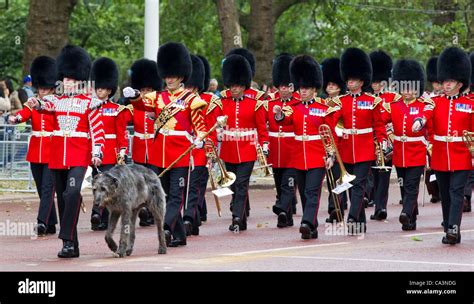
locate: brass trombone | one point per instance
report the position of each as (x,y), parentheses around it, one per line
(468,138)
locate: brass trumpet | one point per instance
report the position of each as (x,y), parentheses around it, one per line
(331,149)
(262,161)
(380,160)
(468,138)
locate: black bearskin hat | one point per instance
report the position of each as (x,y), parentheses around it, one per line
(281,70)
(197,76)
(356,64)
(105,74)
(432,69)
(247,55)
(73,62)
(381,66)
(144,74)
(453,63)
(409,70)
(306,72)
(236,71)
(44,72)
(174,61)
(332,73)
(207,73)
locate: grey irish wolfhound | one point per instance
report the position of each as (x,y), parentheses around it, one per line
(123,190)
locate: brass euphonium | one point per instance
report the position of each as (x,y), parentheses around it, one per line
(331,149)
(468,138)
(262,161)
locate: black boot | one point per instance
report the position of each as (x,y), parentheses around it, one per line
(379,215)
(407,223)
(143,216)
(453,236)
(282,220)
(307,232)
(51,229)
(40,229)
(69,250)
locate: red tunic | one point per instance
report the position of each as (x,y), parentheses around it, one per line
(78,130)
(361,117)
(282,137)
(42,123)
(114,119)
(409,148)
(143,133)
(305,118)
(449,118)
(246,126)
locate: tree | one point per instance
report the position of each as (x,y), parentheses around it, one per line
(48,30)
(229,24)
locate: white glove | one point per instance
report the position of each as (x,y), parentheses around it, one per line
(198,143)
(384,145)
(418,124)
(265,149)
(129,92)
(12,119)
(33,103)
(329,161)
(278,113)
(122,152)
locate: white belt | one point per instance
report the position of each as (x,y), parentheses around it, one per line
(144,136)
(70,134)
(167,132)
(405,138)
(110,136)
(239,133)
(307,137)
(357,131)
(448,138)
(41,133)
(281,134)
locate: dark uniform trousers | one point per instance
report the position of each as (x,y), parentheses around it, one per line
(451,186)
(202,204)
(336,172)
(174,184)
(309,185)
(196,194)
(381,186)
(68,185)
(410,179)
(361,171)
(45,187)
(103,212)
(469,186)
(285,183)
(432,187)
(240,188)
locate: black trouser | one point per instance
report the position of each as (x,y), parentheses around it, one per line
(336,173)
(174,184)
(451,186)
(68,183)
(469,186)
(309,185)
(240,188)
(410,179)
(103,212)
(45,187)
(285,184)
(381,186)
(196,194)
(432,187)
(361,171)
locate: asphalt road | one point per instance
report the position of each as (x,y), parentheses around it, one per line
(263,247)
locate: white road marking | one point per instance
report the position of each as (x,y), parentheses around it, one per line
(283,249)
(433,233)
(376,260)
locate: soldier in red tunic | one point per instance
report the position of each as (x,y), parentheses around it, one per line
(78,139)
(43,74)
(361,117)
(309,154)
(470,185)
(409,148)
(382,71)
(334,86)
(144,78)
(246,128)
(451,115)
(114,118)
(179,116)
(282,142)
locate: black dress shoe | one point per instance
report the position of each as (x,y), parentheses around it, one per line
(177,242)
(307,232)
(143,216)
(355,228)
(203,218)
(379,215)
(289,221)
(188,226)
(435,199)
(238,225)
(95,222)
(333,217)
(452,237)
(168,237)
(41,229)
(467,205)
(51,229)
(68,250)
(195,230)
(282,220)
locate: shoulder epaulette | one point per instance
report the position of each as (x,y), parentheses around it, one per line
(260,103)
(215,102)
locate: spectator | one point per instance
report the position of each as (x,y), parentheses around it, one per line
(16,104)
(213,87)
(27,90)
(4,100)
